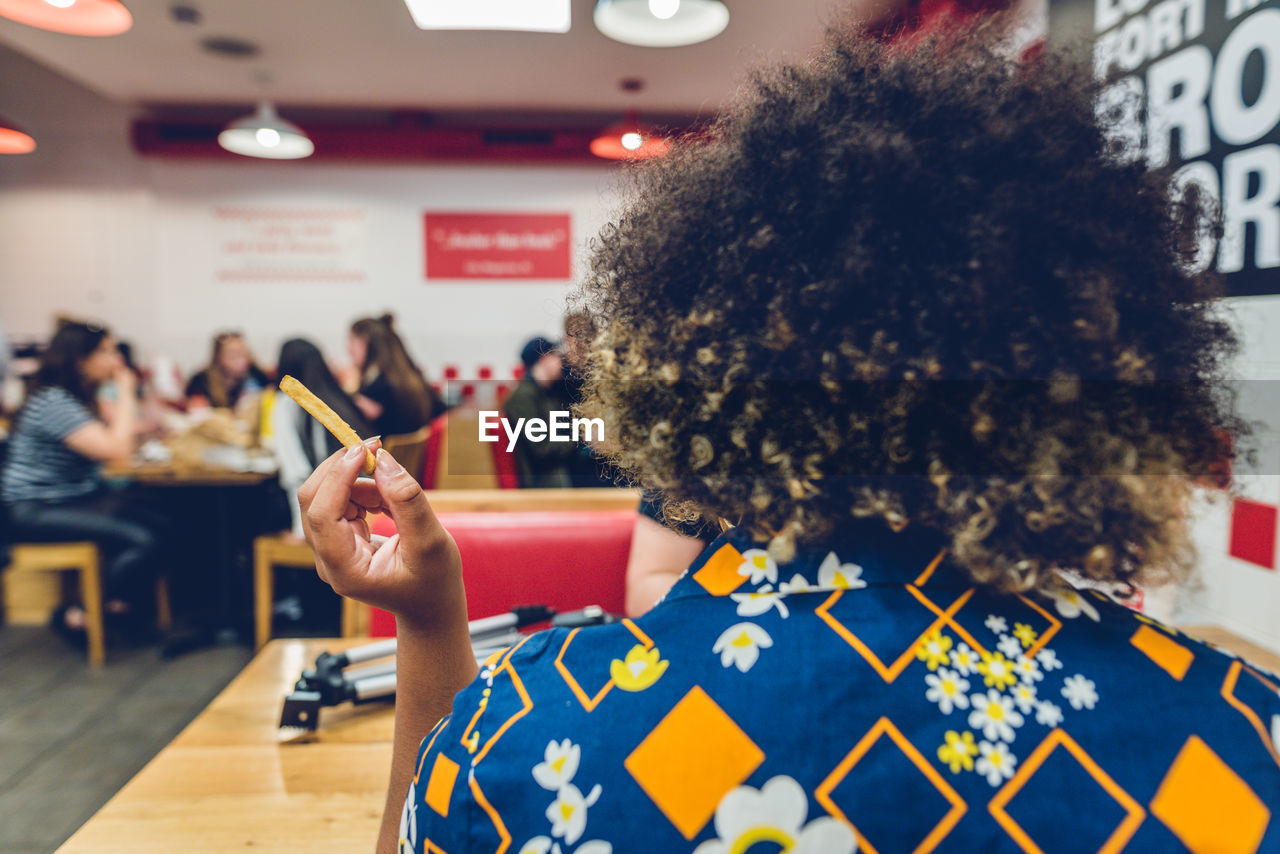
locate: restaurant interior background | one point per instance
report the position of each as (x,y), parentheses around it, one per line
(143,240)
(128,213)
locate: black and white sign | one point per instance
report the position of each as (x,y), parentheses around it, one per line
(1196,86)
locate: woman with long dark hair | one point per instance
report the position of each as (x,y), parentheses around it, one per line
(51,485)
(230,377)
(393,394)
(302,442)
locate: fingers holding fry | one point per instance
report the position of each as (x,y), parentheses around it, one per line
(321,411)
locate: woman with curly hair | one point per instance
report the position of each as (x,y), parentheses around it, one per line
(927,349)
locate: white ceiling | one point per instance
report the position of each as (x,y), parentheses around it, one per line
(369,54)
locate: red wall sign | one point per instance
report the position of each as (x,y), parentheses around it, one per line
(496,246)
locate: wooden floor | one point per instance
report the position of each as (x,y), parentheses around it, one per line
(71,736)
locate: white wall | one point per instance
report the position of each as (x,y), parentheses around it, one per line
(142,258)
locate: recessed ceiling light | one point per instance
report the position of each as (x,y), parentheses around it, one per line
(540,16)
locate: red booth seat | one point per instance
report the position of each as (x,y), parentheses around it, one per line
(564,559)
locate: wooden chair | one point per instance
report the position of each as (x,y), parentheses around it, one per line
(409,450)
(274,550)
(81,557)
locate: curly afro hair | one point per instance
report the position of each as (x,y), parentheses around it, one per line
(914,283)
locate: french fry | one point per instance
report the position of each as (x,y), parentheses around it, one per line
(320,411)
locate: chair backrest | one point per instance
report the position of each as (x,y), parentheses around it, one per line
(564,559)
(457,459)
(409,450)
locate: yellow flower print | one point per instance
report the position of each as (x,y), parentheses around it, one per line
(1025,634)
(997,671)
(959,751)
(933,649)
(640,669)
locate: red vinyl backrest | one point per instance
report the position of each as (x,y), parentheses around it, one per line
(564,559)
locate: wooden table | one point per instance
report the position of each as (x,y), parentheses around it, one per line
(228,782)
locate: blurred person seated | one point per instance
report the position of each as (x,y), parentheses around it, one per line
(586,468)
(904,318)
(540,465)
(231,380)
(150,407)
(393,393)
(51,486)
(302,442)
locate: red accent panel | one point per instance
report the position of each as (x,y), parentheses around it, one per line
(567,560)
(1253,532)
(497,245)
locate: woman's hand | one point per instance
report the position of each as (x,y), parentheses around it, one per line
(416,574)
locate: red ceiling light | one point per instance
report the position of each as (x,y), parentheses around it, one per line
(14,140)
(73,17)
(629,140)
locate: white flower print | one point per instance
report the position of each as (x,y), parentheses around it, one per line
(756,603)
(841,576)
(775,815)
(1024,696)
(964,659)
(947,689)
(1048,714)
(1275,731)
(1027,669)
(1071,604)
(559,765)
(740,644)
(757,564)
(540,845)
(409,822)
(1009,646)
(568,812)
(1048,660)
(998,625)
(595,846)
(996,762)
(797,584)
(1081,693)
(993,713)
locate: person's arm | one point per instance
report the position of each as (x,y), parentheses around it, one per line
(116,438)
(658,557)
(417,575)
(371,409)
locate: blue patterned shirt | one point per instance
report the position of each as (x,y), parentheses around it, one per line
(865,696)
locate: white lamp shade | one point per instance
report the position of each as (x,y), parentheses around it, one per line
(634,22)
(265,134)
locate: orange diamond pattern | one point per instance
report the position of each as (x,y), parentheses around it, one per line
(440,784)
(1229,694)
(1207,805)
(1058,738)
(892,670)
(719,575)
(590,701)
(1171,656)
(883,727)
(694,757)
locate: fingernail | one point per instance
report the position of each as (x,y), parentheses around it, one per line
(372,439)
(355,452)
(387,463)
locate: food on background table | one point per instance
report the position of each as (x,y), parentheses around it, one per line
(320,411)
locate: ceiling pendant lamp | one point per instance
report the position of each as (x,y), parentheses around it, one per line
(661,23)
(629,140)
(73,17)
(264,134)
(13,139)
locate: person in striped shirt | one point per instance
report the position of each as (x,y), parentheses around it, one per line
(51,485)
